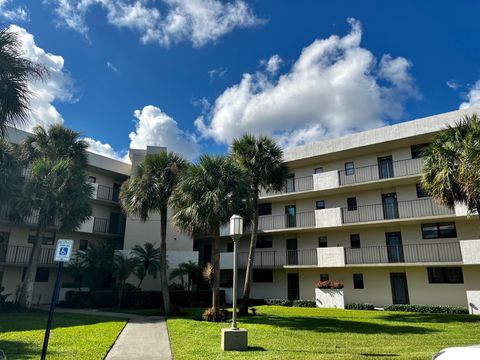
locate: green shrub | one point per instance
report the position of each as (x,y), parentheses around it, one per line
(362,306)
(428,309)
(304,303)
(278,302)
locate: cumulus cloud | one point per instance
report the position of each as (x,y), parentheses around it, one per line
(18,13)
(335,87)
(472,97)
(58,85)
(107,150)
(154,127)
(197,21)
(273,64)
(112,67)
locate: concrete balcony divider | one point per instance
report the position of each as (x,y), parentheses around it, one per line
(328,217)
(331,256)
(326,180)
(470,250)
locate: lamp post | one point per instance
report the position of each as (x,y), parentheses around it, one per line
(236,232)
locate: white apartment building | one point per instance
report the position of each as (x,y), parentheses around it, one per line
(352,210)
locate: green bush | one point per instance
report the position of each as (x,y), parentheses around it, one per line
(304,303)
(362,306)
(428,309)
(278,302)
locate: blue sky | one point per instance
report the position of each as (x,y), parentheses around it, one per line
(194,74)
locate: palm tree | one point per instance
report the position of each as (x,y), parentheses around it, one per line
(189,269)
(15,72)
(76,269)
(207,195)
(9,175)
(149,191)
(98,262)
(54,192)
(261,160)
(451,169)
(124,266)
(148,261)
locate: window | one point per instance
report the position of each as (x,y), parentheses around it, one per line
(417,150)
(48,237)
(265,209)
(439,230)
(318,170)
(421,193)
(290,183)
(320,204)
(230,247)
(262,276)
(324,277)
(322,242)
(358,281)
(83,245)
(92,179)
(445,275)
(354,241)
(41,275)
(264,241)
(349,168)
(352,203)
(226,278)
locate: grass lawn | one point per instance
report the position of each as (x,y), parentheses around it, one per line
(72,337)
(310,333)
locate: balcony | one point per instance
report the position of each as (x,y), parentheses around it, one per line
(375,172)
(103,226)
(299,184)
(299,220)
(31,219)
(406,253)
(418,208)
(19,255)
(105,193)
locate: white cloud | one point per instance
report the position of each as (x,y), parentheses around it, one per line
(453,84)
(154,127)
(273,64)
(217,73)
(18,13)
(335,87)
(197,21)
(107,150)
(112,67)
(473,96)
(57,86)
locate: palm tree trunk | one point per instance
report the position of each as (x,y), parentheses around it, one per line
(216,275)
(140,283)
(251,256)
(120,294)
(26,293)
(163,261)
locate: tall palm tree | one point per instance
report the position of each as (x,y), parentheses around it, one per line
(451,171)
(15,72)
(262,161)
(148,261)
(124,266)
(149,191)
(206,196)
(9,175)
(54,191)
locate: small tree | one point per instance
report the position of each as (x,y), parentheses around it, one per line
(147,261)
(124,267)
(98,264)
(189,269)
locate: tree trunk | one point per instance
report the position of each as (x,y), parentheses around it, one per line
(26,293)
(216,274)
(120,294)
(163,261)
(141,281)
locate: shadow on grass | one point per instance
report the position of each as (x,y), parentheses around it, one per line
(19,350)
(430,318)
(379,355)
(256,348)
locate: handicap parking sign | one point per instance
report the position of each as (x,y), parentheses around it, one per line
(63,252)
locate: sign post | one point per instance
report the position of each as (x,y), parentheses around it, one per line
(63,252)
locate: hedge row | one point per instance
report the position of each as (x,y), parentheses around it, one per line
(428,309)
(278,302)
(304,303)
(364,306)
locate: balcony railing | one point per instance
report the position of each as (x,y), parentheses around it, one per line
(31,219)
(105,226)
(401,210)
(407,253)
(13,254)
(383,171)
(304,183)
(284,221)
(275,258)
(107,193)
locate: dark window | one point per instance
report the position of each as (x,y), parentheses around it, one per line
(354,241)
(265,209)
(262,276)
(324,277)
(352,203)
(226,278)
(421,193)
(230,247)
(322,242)
(439,230)
(445,275)
(349,168)
(290,183)
(358,281)
(318,170)
(92,179)
(83,245)
(320,204)
(264,241)
(417,150)
(48,237)
(40,276)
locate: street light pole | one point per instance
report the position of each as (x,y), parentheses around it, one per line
(236,231)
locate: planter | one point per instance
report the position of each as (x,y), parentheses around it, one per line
(329,298)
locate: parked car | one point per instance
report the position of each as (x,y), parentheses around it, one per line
(457,353)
